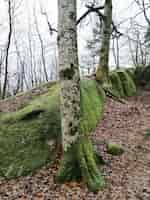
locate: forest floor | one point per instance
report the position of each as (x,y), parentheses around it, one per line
(127,176)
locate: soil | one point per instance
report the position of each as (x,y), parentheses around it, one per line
(127,176)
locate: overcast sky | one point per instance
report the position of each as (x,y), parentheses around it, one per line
(122,10)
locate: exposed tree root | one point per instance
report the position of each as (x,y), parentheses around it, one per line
(82,166)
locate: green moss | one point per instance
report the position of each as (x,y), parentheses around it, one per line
(114,149)
(79,164)
(24,133)
(23,137)
(79,161)
(92,104)
(127,82)
(147,134)
(117,86)
(131,72)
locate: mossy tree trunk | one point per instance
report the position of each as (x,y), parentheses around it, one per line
(103,67)
(78,161)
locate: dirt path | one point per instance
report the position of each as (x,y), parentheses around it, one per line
(128,175)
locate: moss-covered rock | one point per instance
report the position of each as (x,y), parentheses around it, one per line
(147,134)
(127,82)
(117,85)
(114,149)
(131,72)
(25,135)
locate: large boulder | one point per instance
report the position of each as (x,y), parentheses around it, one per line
(128,83)
(29,136)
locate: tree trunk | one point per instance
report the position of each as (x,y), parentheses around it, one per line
(118,55)
(1,63)
(78,161)
(42,47)
(7,50)
(69,72)
(103,68)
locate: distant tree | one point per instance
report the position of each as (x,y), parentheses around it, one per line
(144,6)
(7,49)
(1,65)
(138,45)
(147,36)
(41,47)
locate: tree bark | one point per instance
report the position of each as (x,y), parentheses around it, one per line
(68,72)
(103,67)
(78,160)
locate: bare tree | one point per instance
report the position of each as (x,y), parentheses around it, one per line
(21,77)
(7,49)
(41,47)
(144,6)
(118,50)
(103,68)
(137,45)
(1,64)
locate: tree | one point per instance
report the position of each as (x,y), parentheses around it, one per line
(7,49)
(102,70)
(78,161)
(21,78)
(137,44)
(1,63)
(144,6)
(41,46)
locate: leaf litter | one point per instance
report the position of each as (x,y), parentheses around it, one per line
(127,176)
